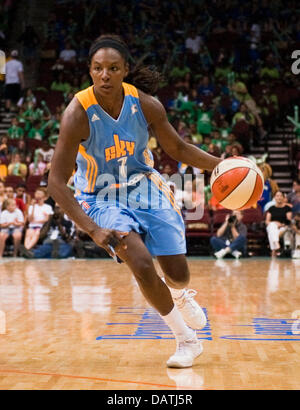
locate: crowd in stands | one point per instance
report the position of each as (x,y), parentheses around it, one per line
(226,85)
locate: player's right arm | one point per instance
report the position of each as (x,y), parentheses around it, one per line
(74,128)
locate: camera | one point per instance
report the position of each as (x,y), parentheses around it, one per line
(232,219)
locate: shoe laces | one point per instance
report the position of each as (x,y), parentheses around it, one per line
(186,297)
(181,347)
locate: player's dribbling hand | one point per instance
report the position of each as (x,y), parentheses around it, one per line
(109,239)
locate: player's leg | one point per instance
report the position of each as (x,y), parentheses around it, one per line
(158,295)
(138,257)
(177,277)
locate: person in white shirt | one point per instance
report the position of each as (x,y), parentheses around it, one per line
(38,214)
(193,42)
(11,223)
(14,80)
(68,55)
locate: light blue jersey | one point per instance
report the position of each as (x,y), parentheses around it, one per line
(115,182)
(115,147)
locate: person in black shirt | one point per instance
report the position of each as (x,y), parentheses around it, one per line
(278,217)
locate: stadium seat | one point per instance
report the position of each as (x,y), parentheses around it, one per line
(33,181)
(198,232)
(13,180)
(198,227)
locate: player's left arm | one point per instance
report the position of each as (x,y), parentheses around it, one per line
(169,139)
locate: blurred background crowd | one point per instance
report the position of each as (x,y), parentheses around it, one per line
(228,88)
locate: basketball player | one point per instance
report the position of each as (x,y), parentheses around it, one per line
(105,130)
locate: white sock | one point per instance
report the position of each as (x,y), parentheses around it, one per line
(176,293)
(178,326)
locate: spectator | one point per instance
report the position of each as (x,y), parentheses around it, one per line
(38,214)
(22,198)
(204,120)
(218,140)
(15,132)
(231,236)
(2,195)
(278,217)
(22,149)
(38,166)
(14,80)
(236,150)
(205,89)
(196,137)
(179,70)
(9,192)
(294,197)
(46,153)
(3,170)
(11,223)
(60,84)
(214,150)
(36,131)
(269,70)
(4,149)
(55,236)
(296,231)
(16,167)
(68,55)
(227,152)
(193,42)
(28,97)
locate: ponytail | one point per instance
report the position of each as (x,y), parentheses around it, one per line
(145,78)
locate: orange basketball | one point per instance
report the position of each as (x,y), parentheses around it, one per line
(237,183)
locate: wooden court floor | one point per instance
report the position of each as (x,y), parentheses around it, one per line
(83,324)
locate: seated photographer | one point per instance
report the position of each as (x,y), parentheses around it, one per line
(295,227)
(278,218)
(55,235)
(231,236)
(11,223)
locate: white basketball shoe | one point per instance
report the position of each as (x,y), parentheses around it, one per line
(192,313)
(186,352)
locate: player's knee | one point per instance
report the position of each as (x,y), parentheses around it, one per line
(144,269)
(179,278)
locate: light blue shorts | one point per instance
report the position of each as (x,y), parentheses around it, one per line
(161,228)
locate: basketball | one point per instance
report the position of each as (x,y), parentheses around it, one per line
(237,183)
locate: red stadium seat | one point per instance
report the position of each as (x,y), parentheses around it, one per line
(33,182)
(32,144)
(196,227)
(198,232)
(13,180)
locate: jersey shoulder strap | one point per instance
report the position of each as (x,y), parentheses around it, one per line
(86,97)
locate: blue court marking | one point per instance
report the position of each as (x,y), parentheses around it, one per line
(267,329)
(150,326)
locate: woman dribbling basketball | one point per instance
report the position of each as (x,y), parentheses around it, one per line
(105,130)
